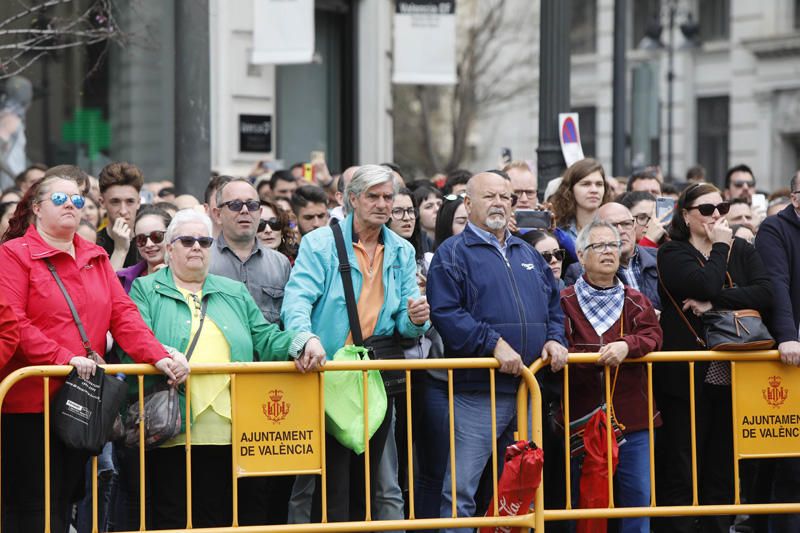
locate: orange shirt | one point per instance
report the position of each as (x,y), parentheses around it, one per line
(370,301)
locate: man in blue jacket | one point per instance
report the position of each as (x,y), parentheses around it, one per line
(491,295)
(778,242)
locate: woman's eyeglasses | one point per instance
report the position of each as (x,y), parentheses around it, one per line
(236,205)
(60,198)
(188,242)
(557,254)
(642,219)
(155,236)
(273,223)
(398,213)
(600,247)
(708,209)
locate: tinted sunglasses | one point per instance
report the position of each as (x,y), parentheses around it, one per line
(60,198)
(156,236)
(558,254)
(236,205)
(742,183)
(188,242)
(708,209)
(274,224)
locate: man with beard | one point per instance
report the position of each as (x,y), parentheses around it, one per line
(491,295)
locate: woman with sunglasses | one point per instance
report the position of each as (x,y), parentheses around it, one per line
(42,235)
(149,229)
(176,301)
(694,267)
(546,244)
(274,231)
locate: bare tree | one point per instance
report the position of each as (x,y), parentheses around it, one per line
(35,28)
(490,71)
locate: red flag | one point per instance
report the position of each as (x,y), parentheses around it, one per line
(522,474)
(594,473)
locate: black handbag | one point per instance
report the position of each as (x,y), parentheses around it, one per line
(739,330)
(85,412)
(379,346)
(162,407)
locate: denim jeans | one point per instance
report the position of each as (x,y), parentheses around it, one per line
(106,480)
(632,479)
(473,441)
(389,502)
(432,447)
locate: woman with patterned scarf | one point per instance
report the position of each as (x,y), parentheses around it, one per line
(602,315)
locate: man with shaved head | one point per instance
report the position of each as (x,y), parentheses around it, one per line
(491,295)
(637,264)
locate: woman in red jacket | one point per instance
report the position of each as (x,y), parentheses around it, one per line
(602,315)
(47,219)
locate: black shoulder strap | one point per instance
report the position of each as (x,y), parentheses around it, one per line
(347,282)
(84,338)
(203,307)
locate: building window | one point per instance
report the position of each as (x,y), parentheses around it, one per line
(712,136)
(583,27)
(586,124)
(645,13)
(715,18)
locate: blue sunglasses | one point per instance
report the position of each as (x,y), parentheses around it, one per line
(60,198)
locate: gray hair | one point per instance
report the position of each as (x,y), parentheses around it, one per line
(232,180)
(583,237)
(184,216)
(365,177)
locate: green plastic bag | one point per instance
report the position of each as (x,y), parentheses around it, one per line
(344,400)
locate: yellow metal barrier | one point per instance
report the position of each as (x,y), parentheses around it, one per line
(235,370)
(695,509)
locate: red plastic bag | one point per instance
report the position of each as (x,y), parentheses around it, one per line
(594,473)
(522,474)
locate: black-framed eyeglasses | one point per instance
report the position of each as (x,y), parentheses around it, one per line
(600,247)
(530,193)
(274,224)
(236,205)
(708,209)
(557,254)
(642,219)
(398,213)
(188,241)
(155,236)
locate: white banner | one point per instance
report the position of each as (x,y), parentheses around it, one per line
(283,32)
(425,42)
(570,137)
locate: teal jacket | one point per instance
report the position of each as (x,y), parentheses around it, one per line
(230,306)
(314,297)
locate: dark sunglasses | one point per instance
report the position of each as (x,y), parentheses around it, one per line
(188,242)
(558,254)
(274,224)
(60,198)
(742,183)
(155,236)
(236,205)
(708,209)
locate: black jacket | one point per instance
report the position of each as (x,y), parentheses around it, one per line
(778,244)
(687,274)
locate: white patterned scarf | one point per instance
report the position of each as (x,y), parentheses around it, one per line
(602,307)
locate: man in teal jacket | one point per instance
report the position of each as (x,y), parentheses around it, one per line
(383,270)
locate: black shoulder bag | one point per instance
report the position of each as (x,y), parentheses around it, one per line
(84,411)
(379,346)
(162,409)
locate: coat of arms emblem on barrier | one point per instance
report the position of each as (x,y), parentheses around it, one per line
(775,395)
(276,409)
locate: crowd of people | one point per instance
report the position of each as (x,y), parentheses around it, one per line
(466,264)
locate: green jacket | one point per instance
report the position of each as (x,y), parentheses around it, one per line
(230,306)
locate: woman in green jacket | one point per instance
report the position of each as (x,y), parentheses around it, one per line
(172,302)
